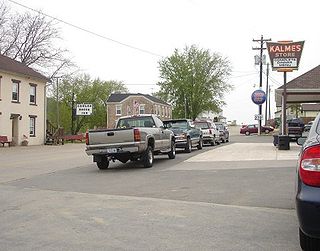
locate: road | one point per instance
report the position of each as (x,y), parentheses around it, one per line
(236,196)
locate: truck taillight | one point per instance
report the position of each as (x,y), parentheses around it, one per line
(210,132)
(87,138)
(310,166)
(136,134)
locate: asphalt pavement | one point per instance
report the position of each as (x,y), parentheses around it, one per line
(235,196)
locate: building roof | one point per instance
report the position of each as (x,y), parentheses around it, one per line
(118,97)
(308,80)
(310,107)
(303,89)
(9,65)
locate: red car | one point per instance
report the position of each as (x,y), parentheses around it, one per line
(248,129)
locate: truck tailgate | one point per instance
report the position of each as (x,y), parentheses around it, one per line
(106,137)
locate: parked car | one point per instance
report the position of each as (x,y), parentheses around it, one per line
(223,132)
(295,128)
(186,134)
(308,188)
(253,128)
(210,134)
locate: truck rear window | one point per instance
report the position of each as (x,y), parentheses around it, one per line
(135,122)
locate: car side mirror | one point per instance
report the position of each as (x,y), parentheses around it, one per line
(301,141)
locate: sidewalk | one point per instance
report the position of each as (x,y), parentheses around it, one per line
(247,152)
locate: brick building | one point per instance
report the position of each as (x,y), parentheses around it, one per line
(123,104)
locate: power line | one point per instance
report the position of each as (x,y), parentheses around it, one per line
(87,31)
(273,79)
(245,75)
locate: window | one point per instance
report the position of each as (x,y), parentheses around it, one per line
(128,110)
(33,89)
(15,90)
(141,109)
(158,121)
(32,126)
(118,110)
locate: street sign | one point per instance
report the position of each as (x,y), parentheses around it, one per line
(258,97)
(84,109)
(258,117)
(285,56)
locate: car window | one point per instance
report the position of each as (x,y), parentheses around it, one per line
(158,121)
(201,125)
(176,124)
(317,125)
(219,126)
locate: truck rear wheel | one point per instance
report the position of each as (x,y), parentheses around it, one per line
(103,164)
(147,158)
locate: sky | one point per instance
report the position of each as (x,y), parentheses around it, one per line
(157,27)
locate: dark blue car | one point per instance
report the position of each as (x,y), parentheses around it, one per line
(308,189)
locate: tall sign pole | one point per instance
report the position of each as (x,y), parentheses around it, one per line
(261,48)
(285,57)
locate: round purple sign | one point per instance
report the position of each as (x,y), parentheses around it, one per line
(258,97)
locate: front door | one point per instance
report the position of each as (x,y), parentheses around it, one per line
(15,128)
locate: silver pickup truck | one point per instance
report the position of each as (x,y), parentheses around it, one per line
(134,138)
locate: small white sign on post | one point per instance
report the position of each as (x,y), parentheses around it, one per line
(258,117)
(84,109)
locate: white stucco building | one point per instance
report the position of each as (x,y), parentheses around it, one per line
(22,103)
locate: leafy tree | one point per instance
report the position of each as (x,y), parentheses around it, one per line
(296,109)
(100,92)
(193,81)
(81,89)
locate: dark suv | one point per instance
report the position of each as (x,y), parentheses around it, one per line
(186,134)
(295,128)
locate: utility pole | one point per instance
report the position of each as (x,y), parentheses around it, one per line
(267,96)
(72,110)
(261,48)
(57,102)
(269,115)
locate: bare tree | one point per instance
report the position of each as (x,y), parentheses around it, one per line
(4,10)
(32,39)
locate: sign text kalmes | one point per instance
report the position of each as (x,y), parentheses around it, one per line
(285,55)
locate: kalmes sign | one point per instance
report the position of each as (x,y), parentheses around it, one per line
(285,56)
